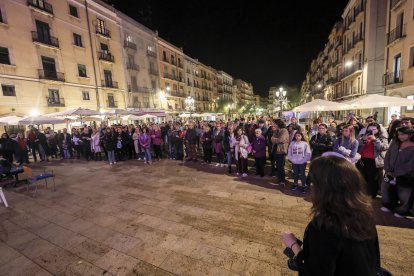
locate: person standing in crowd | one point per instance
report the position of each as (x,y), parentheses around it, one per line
(341,239)
(65,137)
(370,120)
(228,145)
(270,153)
(392,127)
(33,143)
(23,154)
(407,122)
(397,187)
(242,142)
(145,142)
(321,142)
(77,142)
(43,147)
(280,144)
(347,145)
(96,145)
(259,152)
(6,147)
(190,142)
(314,130)
(218,145)
(332,129)
(86,144)
(372,149)
(156,138)
(299,153)
(109,141)
(353,121)
(206,142)
(135,138)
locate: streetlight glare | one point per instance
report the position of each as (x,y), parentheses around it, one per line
(348,63)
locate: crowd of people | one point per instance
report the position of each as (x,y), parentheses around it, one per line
(383,156)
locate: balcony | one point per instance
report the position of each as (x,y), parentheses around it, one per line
(111,104)
(153,71)
(109,84)
(140,89)
(132,66)
(151,53)
(359,9)
(165,59)
(393,78)
(130,45)
(55,101)
(332,80)
(102,31)
(395,34)
(41,5)
(51,75)
(349,70)
(356,39)
(106,56)
(177,94)
(180,65)
(46,40)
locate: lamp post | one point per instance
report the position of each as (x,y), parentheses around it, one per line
(189,104)
(281,98)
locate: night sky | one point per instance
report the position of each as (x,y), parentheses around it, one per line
(263,42)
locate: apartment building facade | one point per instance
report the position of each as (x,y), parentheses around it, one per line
(398,77)
(84,53)
(244,92)
(140,63)
(225,86)
(171,73)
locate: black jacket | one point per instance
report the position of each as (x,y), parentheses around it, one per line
(191,136)
(320,144)
(326,252)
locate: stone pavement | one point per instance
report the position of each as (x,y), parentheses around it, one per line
(167,218)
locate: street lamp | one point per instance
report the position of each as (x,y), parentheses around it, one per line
(189,104)
(281,98)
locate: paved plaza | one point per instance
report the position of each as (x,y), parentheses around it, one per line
(167,218)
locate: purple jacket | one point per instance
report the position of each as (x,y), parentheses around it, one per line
(145,140)
(157,140)
(259,146)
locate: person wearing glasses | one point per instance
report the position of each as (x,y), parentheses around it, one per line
(370,120)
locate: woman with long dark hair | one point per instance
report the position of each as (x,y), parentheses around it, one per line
(341,239)
(397,188)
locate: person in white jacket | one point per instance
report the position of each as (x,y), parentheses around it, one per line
(299,153)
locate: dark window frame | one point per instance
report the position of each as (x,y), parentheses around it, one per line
(86,96)
(73,11)
(8,90)
(77,40)
(82,71)
(4,56)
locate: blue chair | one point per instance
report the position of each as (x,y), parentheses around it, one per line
(33,179)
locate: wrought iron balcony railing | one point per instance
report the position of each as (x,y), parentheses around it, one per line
(45,39)
(109,83)
(395,34)
(393,78)
(41,5)
(51,75)
(106,56)
(130,45)
(102,31)
(55,101)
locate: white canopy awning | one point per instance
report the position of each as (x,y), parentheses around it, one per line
(75,111)
(320,105)
(375,101)
(40,120)
(10,120)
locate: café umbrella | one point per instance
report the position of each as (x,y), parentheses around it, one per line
(40,120)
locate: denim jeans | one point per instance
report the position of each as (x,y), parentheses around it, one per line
(111,156)
(299,172)
(147,152)
(229,158)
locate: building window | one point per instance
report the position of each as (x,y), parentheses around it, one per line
(410,107)
(77,40)
(101,26)
(85,96)
(4,55)
(8,90)
(73,11)
(411,64)
(397,67)
(82,71)
(1,17)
